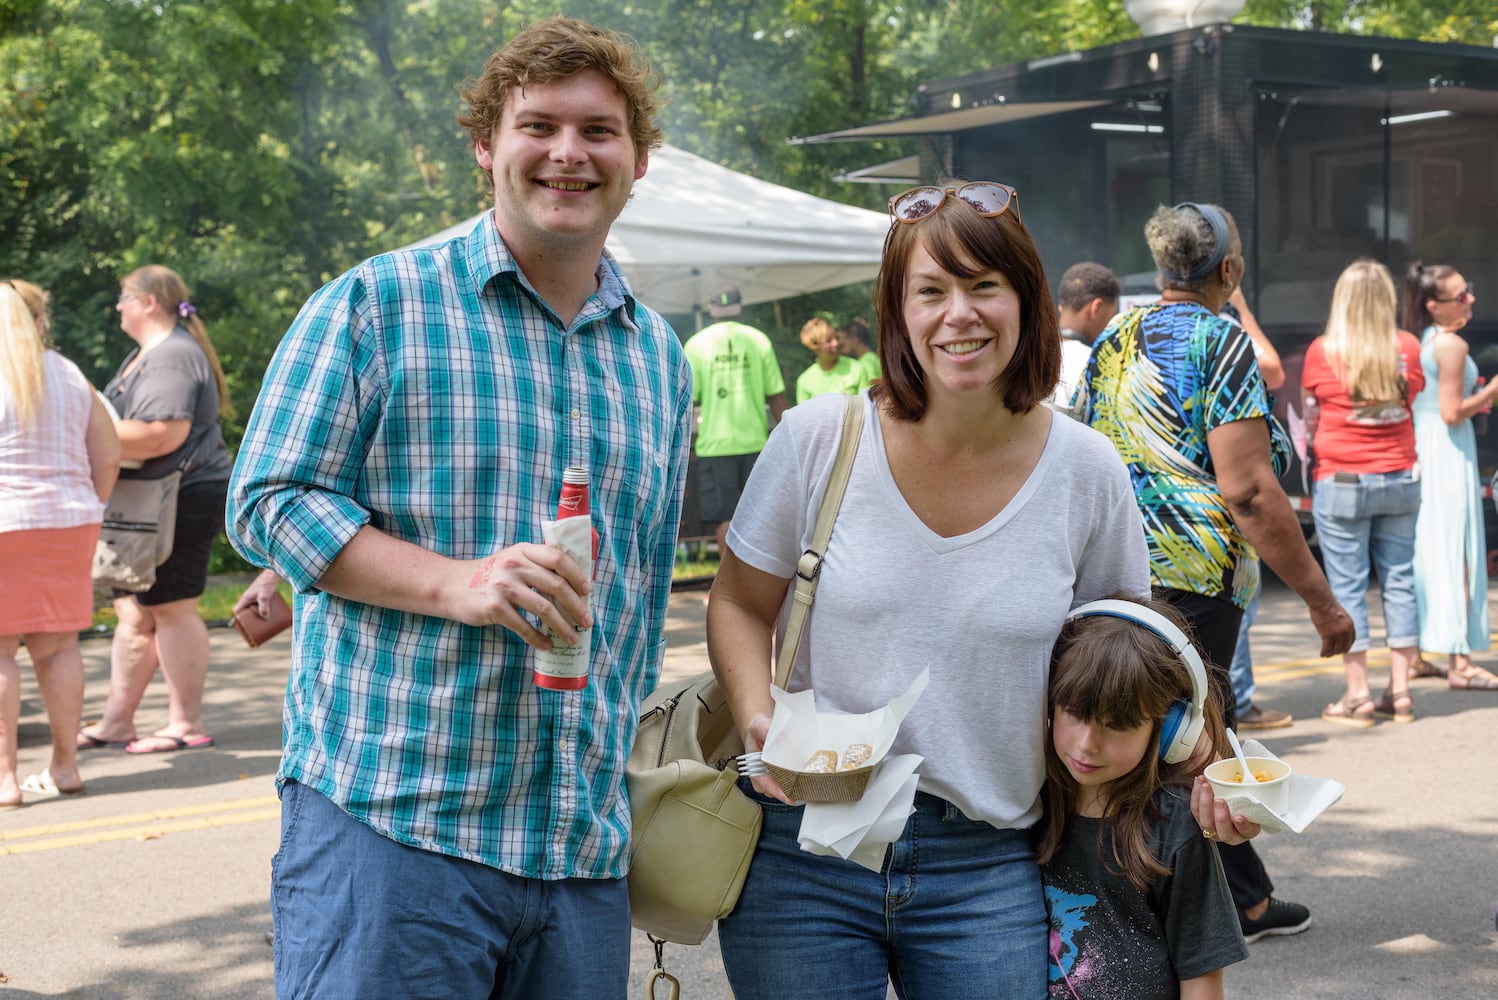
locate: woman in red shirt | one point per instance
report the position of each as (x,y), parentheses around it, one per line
(1359,382)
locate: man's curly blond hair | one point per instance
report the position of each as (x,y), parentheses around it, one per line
(556,49)
(816,332)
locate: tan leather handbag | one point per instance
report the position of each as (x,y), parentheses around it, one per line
(693,830)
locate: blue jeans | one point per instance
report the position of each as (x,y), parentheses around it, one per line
(359,915)
(1371,518)
(957,914)
(1241,672)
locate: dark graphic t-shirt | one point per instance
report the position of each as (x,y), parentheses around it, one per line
(1109,941)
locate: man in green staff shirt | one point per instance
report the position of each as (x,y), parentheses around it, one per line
(856,342)
(831,372)
(734,377)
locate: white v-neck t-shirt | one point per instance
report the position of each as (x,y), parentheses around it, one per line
(981,609)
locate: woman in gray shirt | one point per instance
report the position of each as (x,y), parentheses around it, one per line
(170,394)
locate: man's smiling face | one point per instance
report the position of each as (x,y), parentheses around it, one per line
(563,161)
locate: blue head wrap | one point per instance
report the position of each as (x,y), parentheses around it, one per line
(1221,238)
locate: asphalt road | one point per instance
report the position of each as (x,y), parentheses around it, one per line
(154,883)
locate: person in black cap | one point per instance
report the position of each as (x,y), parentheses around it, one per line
(735,375)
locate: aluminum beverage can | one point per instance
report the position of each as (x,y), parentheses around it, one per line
(564,667)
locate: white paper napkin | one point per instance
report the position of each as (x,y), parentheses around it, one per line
(858,831)
(1309,797)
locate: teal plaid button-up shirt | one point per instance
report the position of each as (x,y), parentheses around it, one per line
(432,394)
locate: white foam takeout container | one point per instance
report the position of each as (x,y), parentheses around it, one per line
(1273,792)
(1309,797)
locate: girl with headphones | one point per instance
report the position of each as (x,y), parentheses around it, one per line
(1136,896)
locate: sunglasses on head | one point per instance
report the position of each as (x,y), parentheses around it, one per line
(987,198)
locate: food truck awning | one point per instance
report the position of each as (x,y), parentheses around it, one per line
(905,170)
(1449,95)
(994,113)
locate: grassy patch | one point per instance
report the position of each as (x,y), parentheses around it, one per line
(219,599)
(216,606)
(694,569)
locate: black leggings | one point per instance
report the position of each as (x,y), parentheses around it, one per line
(1214,624)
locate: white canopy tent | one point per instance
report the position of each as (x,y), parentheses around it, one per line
(693,225)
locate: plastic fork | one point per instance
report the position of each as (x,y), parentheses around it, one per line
(751,765)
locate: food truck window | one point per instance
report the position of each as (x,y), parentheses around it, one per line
(1085,191)
(1390,175)
(1394,176)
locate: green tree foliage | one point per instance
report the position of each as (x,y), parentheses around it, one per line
(143,134)
(260,147)
(1473,22)
(256,146)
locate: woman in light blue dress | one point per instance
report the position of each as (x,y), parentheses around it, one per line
(1451,579)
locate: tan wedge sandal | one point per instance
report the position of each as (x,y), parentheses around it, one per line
(1395,706)
(1355,714)
(1474,678)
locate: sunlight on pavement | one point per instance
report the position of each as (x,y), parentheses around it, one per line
(1315,666)
(138,826)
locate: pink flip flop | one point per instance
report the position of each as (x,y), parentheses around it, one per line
(173,744)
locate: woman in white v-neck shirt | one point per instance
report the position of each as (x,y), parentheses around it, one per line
(974,520)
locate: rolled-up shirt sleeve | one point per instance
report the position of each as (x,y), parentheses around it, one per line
(293,499)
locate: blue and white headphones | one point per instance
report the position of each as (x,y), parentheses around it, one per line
(1183,724)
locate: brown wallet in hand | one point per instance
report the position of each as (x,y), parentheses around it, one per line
(256,630)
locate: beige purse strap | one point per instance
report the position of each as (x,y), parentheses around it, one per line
(810,563)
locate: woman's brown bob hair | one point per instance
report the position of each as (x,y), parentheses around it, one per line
(966,244)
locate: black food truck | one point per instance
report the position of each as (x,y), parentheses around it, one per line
(1324,147)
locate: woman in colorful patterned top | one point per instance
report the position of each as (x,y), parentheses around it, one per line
(1176,388)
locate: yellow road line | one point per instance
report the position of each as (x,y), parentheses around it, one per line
(149,831)
(1311,666)
(102,822)
(1316,666)
(1291,670)
(138,826)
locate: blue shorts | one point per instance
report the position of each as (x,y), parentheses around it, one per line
(359,915)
